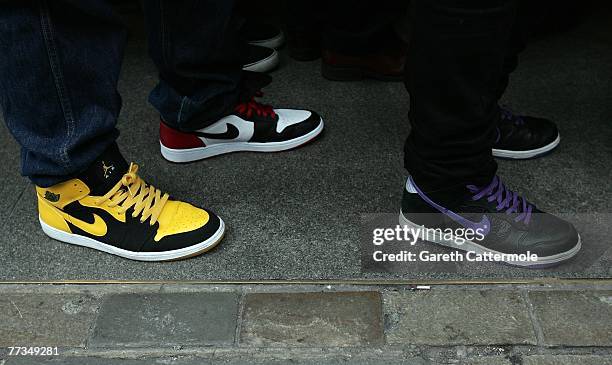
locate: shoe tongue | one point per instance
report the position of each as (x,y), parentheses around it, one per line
(251,84)
(105,171)
(472,189)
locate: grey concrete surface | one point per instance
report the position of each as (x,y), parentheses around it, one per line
(575,319)
(528,360)
(312,319)
(166,320)
(461,318)
(489,360)
(205,361)
(296,214)
(12,185)
(484,317)
(46,320)
(567,360)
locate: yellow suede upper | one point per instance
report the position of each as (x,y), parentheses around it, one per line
(175,217)
(68,192)
(179,217)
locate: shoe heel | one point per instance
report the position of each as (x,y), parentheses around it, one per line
(48,214)
(338,73)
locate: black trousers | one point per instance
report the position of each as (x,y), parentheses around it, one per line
(460,56)
(350,27)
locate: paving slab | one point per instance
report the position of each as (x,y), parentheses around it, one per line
(567,360)
(487,360)
(574,318)
(205,361)
(458,317)
(76,361)
(132,320)
(312,319)
(46,320)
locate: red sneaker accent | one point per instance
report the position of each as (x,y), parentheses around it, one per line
(172,138)
(253,106)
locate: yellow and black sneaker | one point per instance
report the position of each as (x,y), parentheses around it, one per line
(111,209)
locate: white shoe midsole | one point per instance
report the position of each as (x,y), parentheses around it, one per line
(199,153)
(528,153)
(79,240)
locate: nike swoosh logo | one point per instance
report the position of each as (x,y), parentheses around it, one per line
(484,226)
(231,133)
(97,228)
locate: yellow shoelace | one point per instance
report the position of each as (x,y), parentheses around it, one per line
(146,199)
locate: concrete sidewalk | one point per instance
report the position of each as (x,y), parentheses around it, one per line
(208,324)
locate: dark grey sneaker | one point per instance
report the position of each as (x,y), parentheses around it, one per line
(523,137)
(498,220)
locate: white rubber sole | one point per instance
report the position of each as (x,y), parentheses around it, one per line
(521,155)
(199,153)
(274,42)
(544,261)
(267,64)
(182,253)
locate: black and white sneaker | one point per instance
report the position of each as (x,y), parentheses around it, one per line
(251,127)
(264,35)
(261,59)
(523,137)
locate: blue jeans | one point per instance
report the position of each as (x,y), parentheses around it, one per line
(60,63)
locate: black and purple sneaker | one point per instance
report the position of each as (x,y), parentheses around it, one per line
(490,220)
(523,137)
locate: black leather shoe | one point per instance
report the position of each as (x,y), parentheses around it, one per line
(523,137)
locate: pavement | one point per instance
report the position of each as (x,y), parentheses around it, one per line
(297,215)
(186,324)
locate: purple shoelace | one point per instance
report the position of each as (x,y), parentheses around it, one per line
(506,199)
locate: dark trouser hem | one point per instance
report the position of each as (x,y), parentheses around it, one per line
(250,84)
(111,150)
(199,53)
(456,61)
